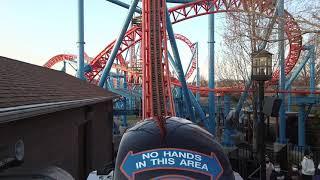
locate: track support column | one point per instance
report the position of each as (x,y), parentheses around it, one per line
(179,68)
(117,45)
(125,88)
(212,108)
(289,99)
(227,141)
(80,72)
(226,104)
(198,73)
(195,102)
(64,68)
(301,125)
(261,134)
(312,70)
(282,113)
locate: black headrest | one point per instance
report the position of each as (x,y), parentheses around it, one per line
(187,151)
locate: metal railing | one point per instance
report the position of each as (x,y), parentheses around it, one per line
(255,175)
(295,154)
(245,162)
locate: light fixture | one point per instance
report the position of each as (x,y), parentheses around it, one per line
(261,65)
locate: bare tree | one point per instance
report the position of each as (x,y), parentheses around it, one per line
(245,31)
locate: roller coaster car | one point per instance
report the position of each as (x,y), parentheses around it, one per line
(186,152)
(137,20)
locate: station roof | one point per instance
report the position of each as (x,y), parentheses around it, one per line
(26,86)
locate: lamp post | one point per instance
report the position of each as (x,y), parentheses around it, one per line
(261,72)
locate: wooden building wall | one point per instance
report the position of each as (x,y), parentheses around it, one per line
(77,140)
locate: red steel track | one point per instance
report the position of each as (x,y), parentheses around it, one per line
(157,98)
(122,63)
(62,57)
(192,48)
(199,8)
(202,7)
(227,90)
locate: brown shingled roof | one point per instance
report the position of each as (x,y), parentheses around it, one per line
(24,84)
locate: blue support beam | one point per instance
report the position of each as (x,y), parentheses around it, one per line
(63,69)
(243,97)
(87,68)
(112,74)
(119,92)
(109,83)
(218,108)
(118,78)
(296,72)
(80,72)
(179,67)
(198,109)
(180,102)
(312,70)
(198,74)
(190,62)
(125,87)
(289,100)
(298,100)
(282,115)
(116,47)
(194,101)
(176,98)
(106,84)
(171,60)
(227,105)
(212,108)
(301,125)
(227,138)
(227,132)
(120,112)
(125,5)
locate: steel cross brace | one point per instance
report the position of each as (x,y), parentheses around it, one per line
(179,67)
(116,47)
